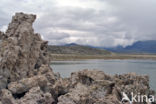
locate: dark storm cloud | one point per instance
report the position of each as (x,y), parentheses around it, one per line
(97,22)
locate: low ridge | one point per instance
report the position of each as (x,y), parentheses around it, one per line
(77,50)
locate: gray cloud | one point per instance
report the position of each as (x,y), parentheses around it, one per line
(97,22)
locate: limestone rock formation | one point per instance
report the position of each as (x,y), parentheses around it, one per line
(95,87)
(26,76)
(22,51)
(1,35)
(24,60)
(33,96)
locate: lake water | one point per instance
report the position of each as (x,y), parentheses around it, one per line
(142,67)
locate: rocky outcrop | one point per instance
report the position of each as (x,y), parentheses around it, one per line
(22,50)
(1,35)
(24,61)
(26,76)
(33,96)
(95,87)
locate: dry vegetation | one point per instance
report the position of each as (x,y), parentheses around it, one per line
(112,56)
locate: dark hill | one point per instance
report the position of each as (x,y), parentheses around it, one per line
(148,46)
(76,49)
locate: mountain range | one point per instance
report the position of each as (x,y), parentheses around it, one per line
(139,47)
(148,46)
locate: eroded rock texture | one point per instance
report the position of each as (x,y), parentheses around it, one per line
(26,77)
(22,50)
(24,61)
(95,87)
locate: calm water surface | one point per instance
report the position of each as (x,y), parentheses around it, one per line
(143,67)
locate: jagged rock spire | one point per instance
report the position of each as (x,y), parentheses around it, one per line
(22,51)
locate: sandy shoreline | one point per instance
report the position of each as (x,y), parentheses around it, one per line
(61,57)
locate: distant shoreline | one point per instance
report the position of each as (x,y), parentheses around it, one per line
(64,57)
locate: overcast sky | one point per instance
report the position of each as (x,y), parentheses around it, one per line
(89,22)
